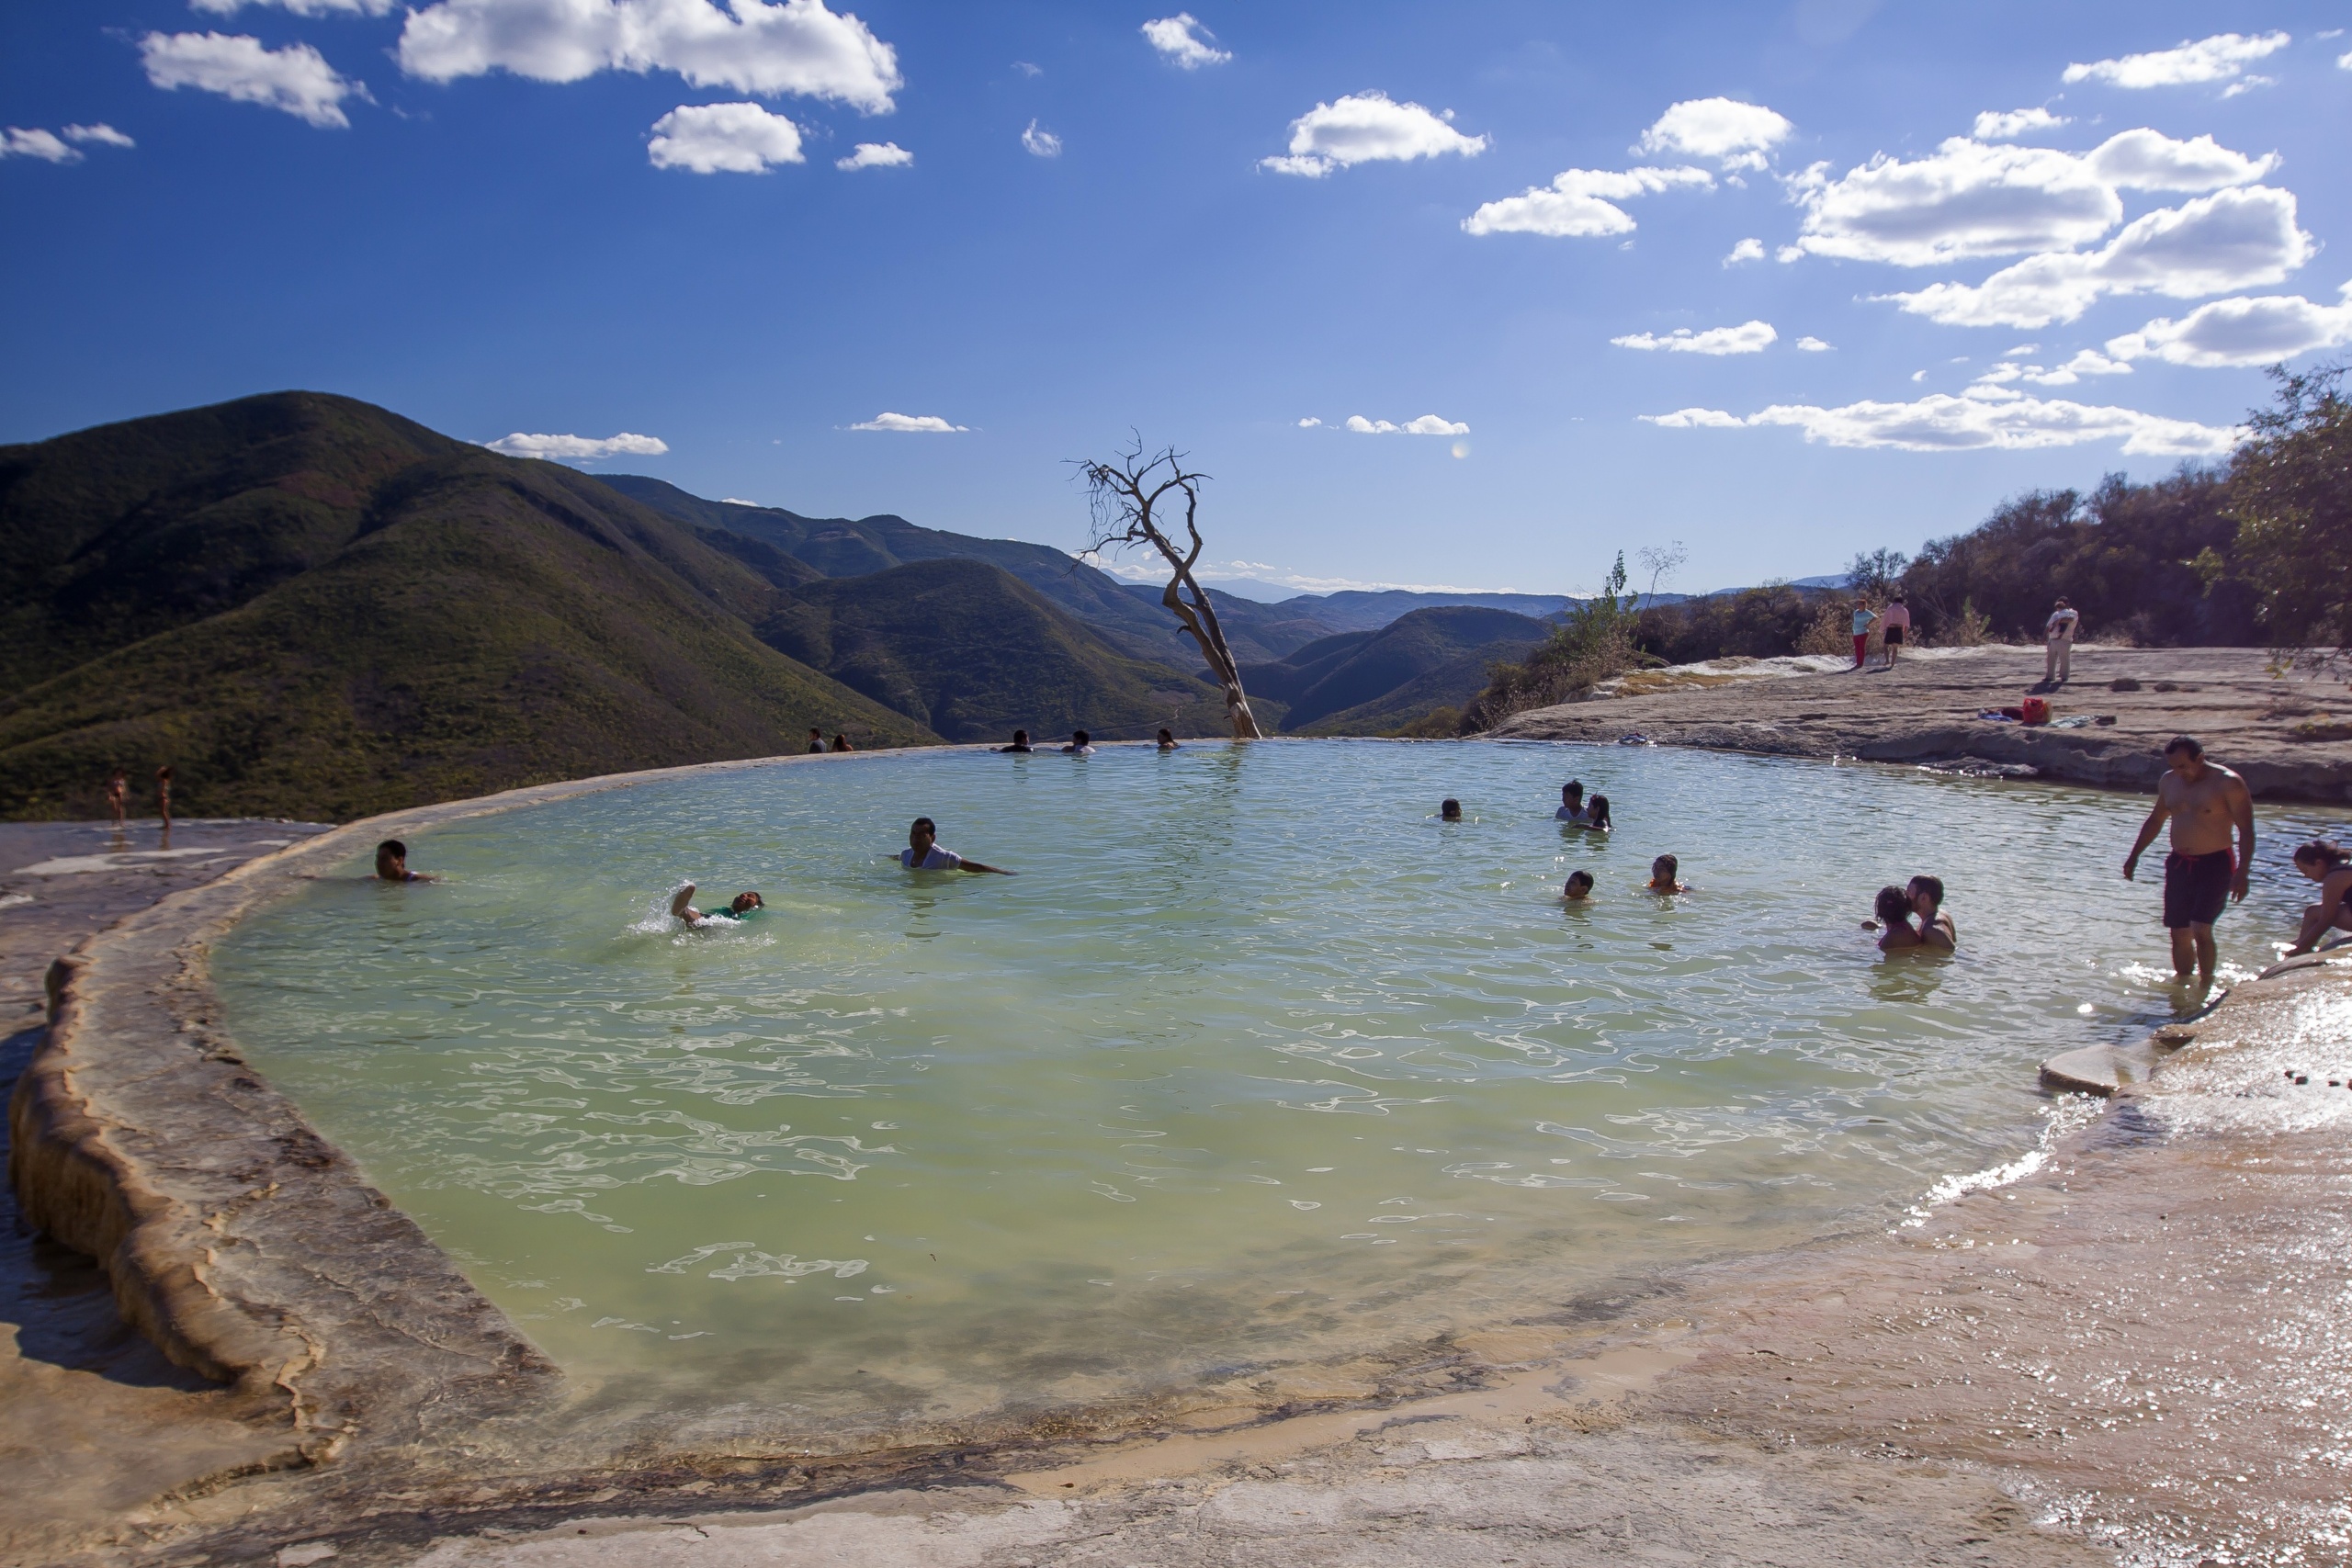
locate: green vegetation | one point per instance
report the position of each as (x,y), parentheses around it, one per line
(1373,683)
(311,607)
(1596,640)
(968,650)
(2290,493)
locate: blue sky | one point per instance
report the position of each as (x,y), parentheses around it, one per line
(534,217)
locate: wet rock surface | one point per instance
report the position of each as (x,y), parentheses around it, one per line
(1924,711)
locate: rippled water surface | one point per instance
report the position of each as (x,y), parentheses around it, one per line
(1255,1063)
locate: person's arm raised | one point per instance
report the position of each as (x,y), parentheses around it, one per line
(2148,831)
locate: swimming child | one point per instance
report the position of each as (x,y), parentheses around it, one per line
(1572,805)
(1895,914)
(1596,814)
(1580,886)
(2326,863)
(922,853)
(1449,811)
(742,907)
(392,863)
(1663,875)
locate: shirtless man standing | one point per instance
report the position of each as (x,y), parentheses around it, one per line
(2205,802)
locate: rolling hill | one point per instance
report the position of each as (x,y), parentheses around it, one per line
(311,607)
(1371,682)
(968,650)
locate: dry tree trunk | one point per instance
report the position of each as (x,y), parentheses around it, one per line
(1125,495)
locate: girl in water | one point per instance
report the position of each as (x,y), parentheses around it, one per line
(1895,914)
(1596,814)
(2324,861)
(1579,887)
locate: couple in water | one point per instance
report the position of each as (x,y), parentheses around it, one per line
(1665,877)
(1577,812)
(1922,898)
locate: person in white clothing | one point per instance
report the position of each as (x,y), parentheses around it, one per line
(2058,643)
(1572,809)
(1895,627)
(922,853)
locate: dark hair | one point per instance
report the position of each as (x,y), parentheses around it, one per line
(1895,908)
(1021,735)
(2188,743)
(164,771)
(391,846)
(1574,786)
(1080,737)
(1671,866)
(1933,886)
(757,902)
(1579,875)
(1595,811)
(1449,807)
(923,822)
(1166,733)
(2326,851)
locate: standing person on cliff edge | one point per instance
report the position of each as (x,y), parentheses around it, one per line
(2205,803)
(2058,643)
(1896,627)
(1863,616)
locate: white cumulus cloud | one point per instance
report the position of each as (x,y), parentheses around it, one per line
(36,144)
(105,135)
(578,448)
(1994,126)
(1365,127)
(1738,135)
(2241,331)
(2089,362)
(876,155)
(1041,143)
(1748,338)
(2215,59)
(1968,198)
(301,8)
(2232,239)
(296,79)
(1309,422)
(1181,40)
(1579,203)
(1812,344)
(1745,251)
(711,139)
(752,46)
(1992,418)
(1427,425)
(909,425)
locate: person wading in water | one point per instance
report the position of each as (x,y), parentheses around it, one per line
(2204,802)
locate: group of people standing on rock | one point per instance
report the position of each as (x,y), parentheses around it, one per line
(1894,627)
(118,793)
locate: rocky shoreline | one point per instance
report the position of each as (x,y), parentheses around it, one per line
(1924,711)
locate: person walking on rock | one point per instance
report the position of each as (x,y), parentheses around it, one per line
(2058,643)
(1897,626)
(1863,616)
(2205,803)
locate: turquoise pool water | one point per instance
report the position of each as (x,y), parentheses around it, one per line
(1256,1064)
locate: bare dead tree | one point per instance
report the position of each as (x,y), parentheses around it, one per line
(1134,499)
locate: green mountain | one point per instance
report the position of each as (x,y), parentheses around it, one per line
(311,607)
(1129,614)
(968,650)
(1369,683)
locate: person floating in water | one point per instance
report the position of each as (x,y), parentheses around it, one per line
(815,740)
(1081,744)
(1449,810)
(1665,875)
(922,853)
(840,743)
(1572,809)
(392,863)
(1935,930)
(2204,802)
(2324,861)
(1168,740)
(1579,887)
(1895,916)
(1020,746)
(743,907)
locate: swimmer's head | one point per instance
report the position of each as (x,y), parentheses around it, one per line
(746,902)
(1020,737)
(1450,811)
(392,859)
(1167,738)
(1930,888)
(1894,908)
(1599,811)
(1579,884)
(1079,738)
(923,835)
(1572,792)
(1664,869)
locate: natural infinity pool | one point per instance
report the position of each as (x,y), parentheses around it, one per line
(1255,1064)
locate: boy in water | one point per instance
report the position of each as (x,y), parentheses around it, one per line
(392,863)
(922,853)
(2205,803)
(1081,744)
(1935,930)
(1571,803)
(1020,746)
(742,907)
(1449,810)
(1663,875)
(1579,887)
